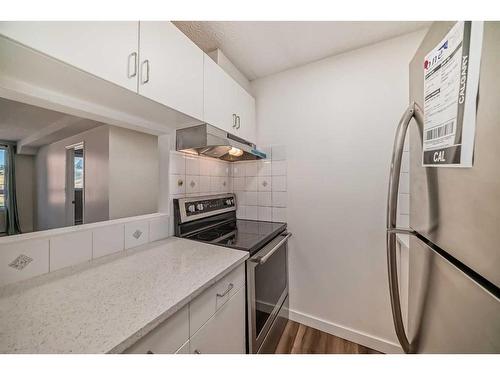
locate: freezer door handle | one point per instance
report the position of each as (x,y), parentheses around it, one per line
(413,111)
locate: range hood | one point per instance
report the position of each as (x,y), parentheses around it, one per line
(210,141)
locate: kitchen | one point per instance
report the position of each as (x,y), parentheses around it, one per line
(200,187)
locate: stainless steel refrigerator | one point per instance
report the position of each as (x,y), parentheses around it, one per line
(454,251)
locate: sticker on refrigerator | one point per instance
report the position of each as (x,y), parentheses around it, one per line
(451,79)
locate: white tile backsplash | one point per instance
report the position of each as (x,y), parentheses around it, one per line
(265,198)
(136,234)
(279,183)
(261,185)
(279,199)
(32,260)
(238,169)
(264,183)
(192,165)
(241,212)
(177,163)
(158,228)
(265,168)
(252,198)
(252,212)
(265,213)
(239,183)
(108,240)
(240,198)
(251,183)
(205,167)
(204,184)
(251,169)
(70,249)
(192,184)
(279,214)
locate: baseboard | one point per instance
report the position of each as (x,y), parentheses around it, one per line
(346,333)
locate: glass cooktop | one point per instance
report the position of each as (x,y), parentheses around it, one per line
(246,235)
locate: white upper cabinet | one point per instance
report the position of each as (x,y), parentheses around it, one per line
(245,127)
(227,105)
(171,68)
(105,49)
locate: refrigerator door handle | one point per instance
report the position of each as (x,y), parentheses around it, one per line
(413,111)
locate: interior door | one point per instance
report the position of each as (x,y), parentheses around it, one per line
(171,68)
(104,49)
(448,311)
(459,208)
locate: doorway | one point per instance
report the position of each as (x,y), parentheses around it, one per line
(75,184)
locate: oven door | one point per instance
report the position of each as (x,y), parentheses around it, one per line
(267,288)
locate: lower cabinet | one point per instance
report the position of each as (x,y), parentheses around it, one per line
(224,333)
(214,322)
(167,338)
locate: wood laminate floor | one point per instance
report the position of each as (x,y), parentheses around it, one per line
(300,339)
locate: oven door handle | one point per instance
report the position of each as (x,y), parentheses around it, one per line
(263,259)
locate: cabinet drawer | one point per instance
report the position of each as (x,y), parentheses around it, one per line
(224,333)
(167,338)
(229,285)
(206,304)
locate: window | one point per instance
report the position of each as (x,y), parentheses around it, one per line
(3,155)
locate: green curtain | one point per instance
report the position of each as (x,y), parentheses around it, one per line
(11,214)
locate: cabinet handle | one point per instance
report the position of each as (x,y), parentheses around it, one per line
(149,352)
(196,351)
(147,71)
(237,122)
(234,120)
(134,73)
(229,287)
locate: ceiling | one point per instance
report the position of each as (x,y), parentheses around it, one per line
(19,121)
(261,48)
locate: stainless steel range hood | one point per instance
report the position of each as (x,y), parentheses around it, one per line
(210,141)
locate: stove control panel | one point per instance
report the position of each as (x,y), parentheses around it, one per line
(206,205)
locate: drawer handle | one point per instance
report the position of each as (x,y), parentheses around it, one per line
(229,287)
(196,351)
(134,73)
(144,81)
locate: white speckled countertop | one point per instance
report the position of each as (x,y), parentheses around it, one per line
(106,305)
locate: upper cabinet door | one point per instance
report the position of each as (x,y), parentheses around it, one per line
(225,99)
(171,68)
(105,49)
(220,97)
(246,128)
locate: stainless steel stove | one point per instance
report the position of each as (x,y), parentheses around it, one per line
(212,219)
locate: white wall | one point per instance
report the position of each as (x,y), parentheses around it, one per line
(51,179)
(337,119)
(133,173)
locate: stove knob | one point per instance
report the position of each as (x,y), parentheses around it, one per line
(229,202)
(199,206)
(191,208)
